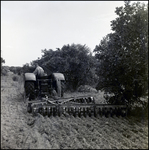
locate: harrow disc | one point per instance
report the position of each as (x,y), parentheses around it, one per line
(49,111)
(54,111)
(111,112)
(69,110)
(29,108)
(91,100)
(118,112)
(100,111)
(95,112)
(123,112)
(79,111)
(83,106)
(114,111)
(84,112)
(105,111)
(44,110)
(83,100)
(64,110)
(74,111)
(35,110)
(89,112)
(87,100)
(59,111)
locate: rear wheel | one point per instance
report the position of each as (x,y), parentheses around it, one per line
(62,88)
(59,87)
(30,90)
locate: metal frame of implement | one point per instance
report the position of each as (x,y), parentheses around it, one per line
(76,106)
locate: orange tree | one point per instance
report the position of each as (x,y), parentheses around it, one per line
(123,55)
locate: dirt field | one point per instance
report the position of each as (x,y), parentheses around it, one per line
(20,130)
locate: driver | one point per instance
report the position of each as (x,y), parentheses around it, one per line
(39,72)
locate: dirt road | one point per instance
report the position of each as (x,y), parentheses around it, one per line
(20,130)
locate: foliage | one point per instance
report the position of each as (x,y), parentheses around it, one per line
(74,61)
(2,61)
(16,70)
(4,69)
(78,65)
(27,68)
(123,55)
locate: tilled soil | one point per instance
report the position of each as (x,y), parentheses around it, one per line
(20,130)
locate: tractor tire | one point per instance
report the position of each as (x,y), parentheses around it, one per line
(30,90)
(54,93)
(59,87)
(62,88)
(29,108)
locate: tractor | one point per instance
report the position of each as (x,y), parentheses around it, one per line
(44,86)
(45,95)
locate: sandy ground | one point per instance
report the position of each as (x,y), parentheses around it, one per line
(20,130)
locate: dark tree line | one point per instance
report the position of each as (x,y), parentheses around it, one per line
(75,61)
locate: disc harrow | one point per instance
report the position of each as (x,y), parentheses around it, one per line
(80,106)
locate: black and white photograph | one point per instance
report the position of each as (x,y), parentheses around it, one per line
(74,74)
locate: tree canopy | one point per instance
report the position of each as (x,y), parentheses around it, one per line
(75,61)
(123,55)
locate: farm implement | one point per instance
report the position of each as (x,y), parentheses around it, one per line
(45,96)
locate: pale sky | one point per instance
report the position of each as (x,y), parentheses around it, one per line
(27,27)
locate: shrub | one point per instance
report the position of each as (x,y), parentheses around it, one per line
(15,78)
(123,55)
(4,72)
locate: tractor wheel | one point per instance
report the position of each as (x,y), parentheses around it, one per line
(54,93)
(59,111)
(62,88)
(30,90)
(59,87)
